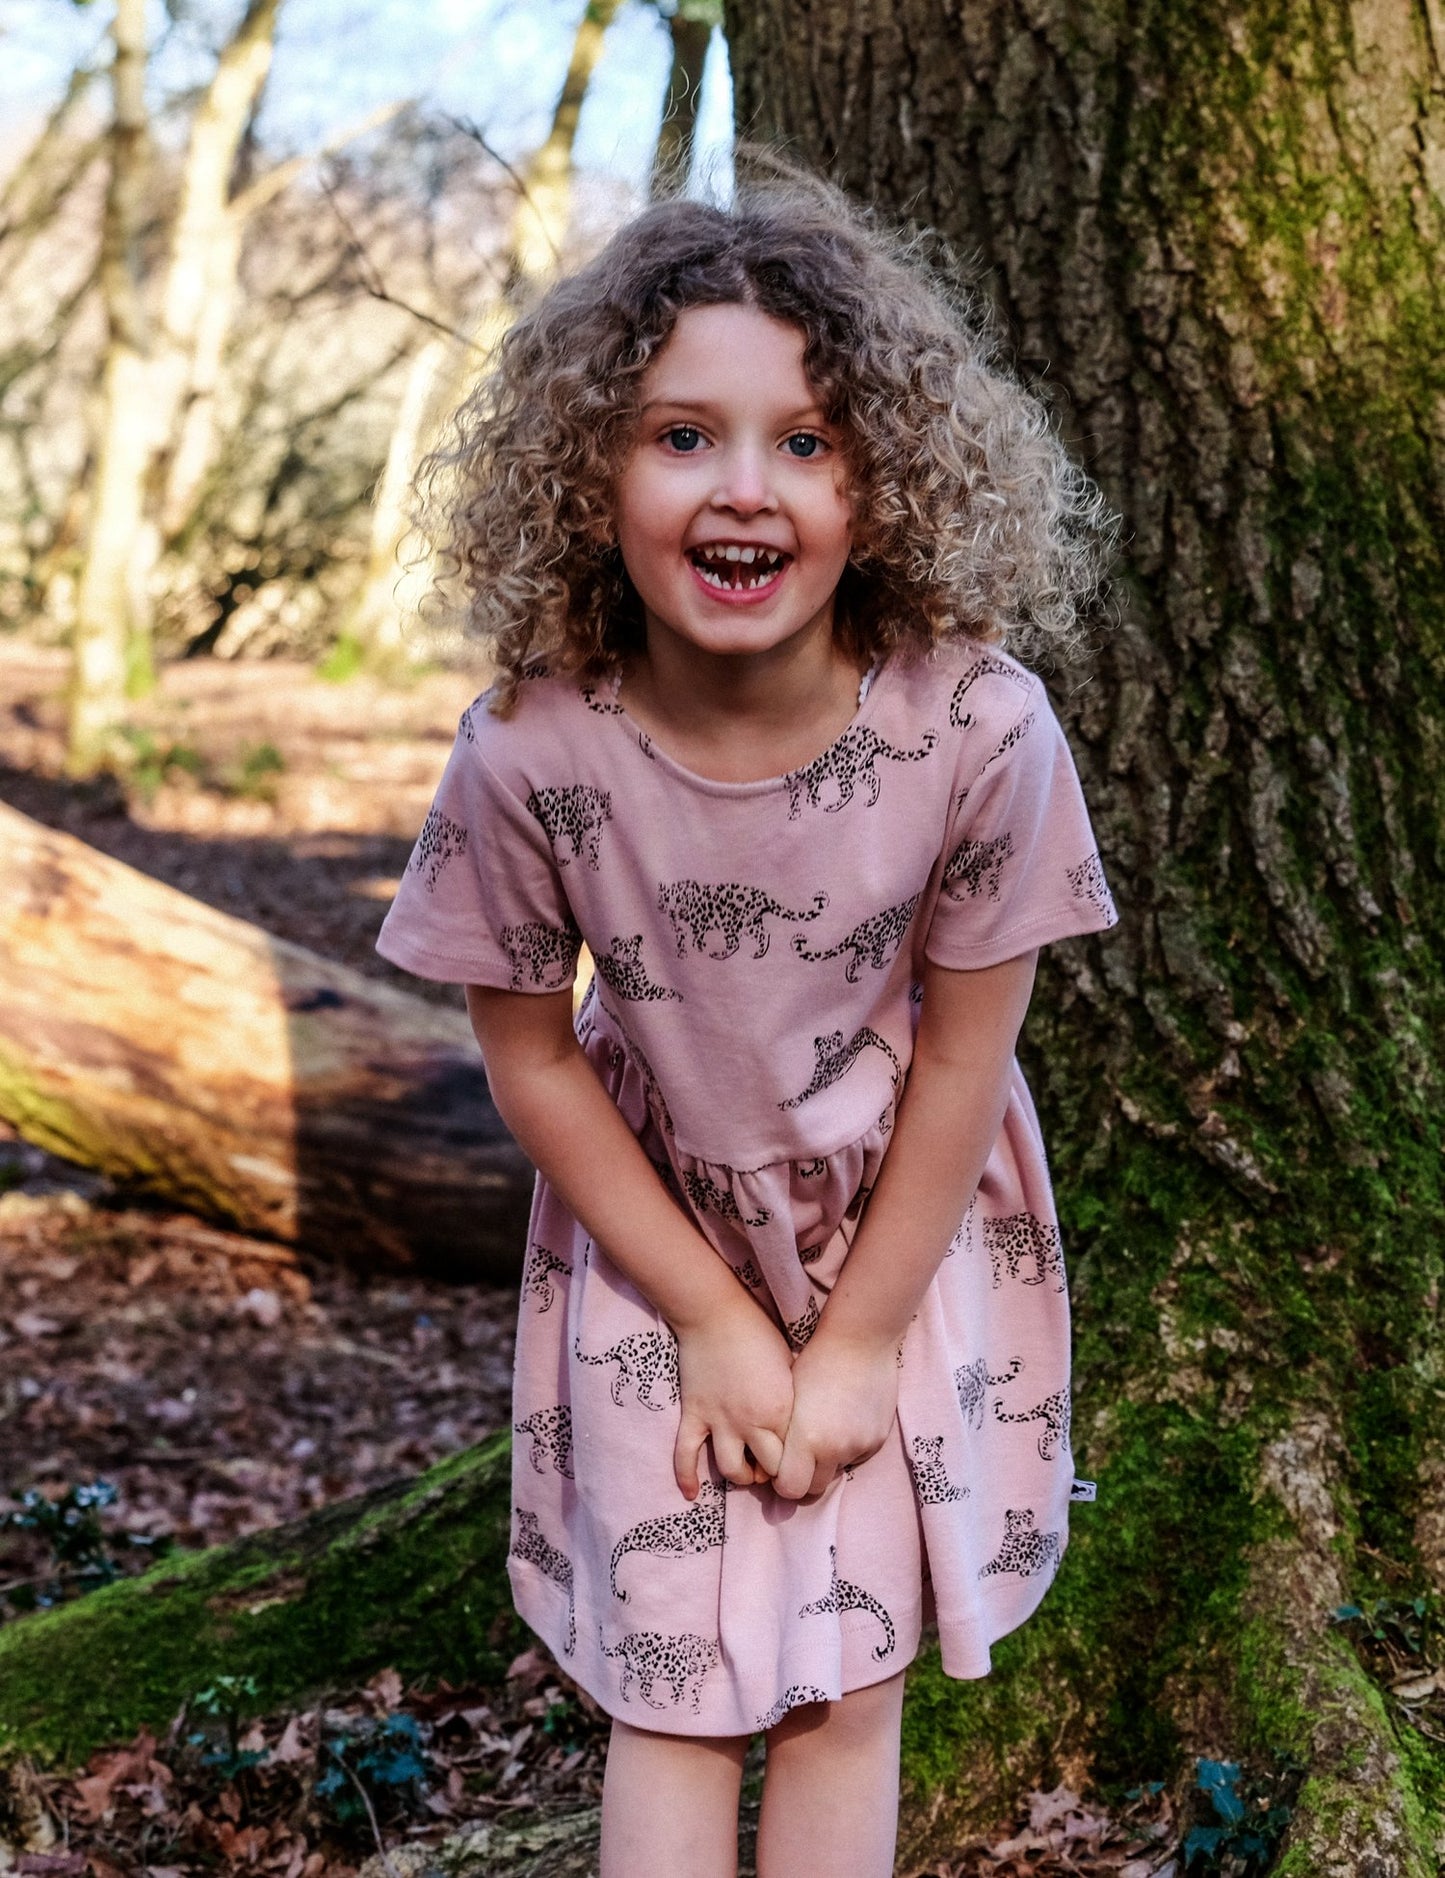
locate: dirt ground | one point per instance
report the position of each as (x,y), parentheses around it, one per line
(217,1384)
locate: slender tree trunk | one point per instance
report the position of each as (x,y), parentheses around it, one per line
(376,619)
(1219,231)
(105,602)
(200,278)
(690,28)
(539,229)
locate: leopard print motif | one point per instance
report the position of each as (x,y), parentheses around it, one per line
(1087,882)
(541,955)
(657,1102)
(649,1658)
(843,1597)
(698,910)
(646,1360)
(1014,735)
(676,1535)
(851,760)
(974,867)
(604,707)
(988,666)
(930,1476)
(578,814)
(1023,1237)
(794,1696)
(531,1546)
(440,842)
(537,1279)
(811,1170)
(1055,1412)
(466,729)
(708,1196)
(972,1381)
(1023,1550)
(551,1432)
(802,1328)
(622,971)
(834,1059)
(749,1275)
(876,939)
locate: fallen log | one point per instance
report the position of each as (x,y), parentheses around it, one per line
(190,1055)
(410,1576)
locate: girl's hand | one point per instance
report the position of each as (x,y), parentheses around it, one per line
(845,1402)
(737,1392)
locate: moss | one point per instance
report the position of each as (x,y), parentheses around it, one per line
(412,1578)
(1159,1557)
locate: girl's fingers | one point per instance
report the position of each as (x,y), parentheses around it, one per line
(795,1471)
(685,1456)
(767,1451)
(732,1464)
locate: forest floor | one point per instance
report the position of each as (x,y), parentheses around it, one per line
(165,1383)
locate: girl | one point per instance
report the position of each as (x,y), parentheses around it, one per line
(744,515)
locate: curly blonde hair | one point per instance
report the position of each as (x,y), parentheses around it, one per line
(972,519)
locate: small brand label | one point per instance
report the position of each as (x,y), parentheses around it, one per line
(1084,1490)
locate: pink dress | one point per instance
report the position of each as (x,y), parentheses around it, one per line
(759,948)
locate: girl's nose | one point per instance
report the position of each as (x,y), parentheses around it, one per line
(745,486)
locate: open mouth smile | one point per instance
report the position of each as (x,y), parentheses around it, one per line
(733,569)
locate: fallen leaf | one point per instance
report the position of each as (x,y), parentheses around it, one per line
(32,1325)
(1417,1688)
(385,1686)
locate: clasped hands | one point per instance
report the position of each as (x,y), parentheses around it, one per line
(771,1415)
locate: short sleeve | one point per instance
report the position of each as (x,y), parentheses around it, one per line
(481,901)
(1021,866)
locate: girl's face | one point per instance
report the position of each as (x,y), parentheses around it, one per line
(731,509)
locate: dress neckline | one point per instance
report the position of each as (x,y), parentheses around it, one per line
(868,689)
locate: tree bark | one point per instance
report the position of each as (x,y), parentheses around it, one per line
(105,602)
(1218,232)
(191,1055)
(690,29)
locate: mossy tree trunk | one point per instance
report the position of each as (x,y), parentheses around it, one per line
(1220,230)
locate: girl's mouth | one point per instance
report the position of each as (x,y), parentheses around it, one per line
(738,570)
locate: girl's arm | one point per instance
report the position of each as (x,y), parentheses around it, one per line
(845,1382)
(736,1368)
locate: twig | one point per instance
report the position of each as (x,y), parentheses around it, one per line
(356,1782)
(474,131)
(371,280)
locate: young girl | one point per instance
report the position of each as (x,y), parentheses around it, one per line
(744,515)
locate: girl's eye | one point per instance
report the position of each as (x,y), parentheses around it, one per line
(804,444)
(683,438)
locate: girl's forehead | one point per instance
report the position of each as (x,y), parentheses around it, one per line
(730,348)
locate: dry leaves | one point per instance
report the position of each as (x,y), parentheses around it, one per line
(1060,1834)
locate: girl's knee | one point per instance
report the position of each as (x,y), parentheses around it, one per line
(861,1715)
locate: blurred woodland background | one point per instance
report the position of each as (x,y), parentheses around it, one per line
(248,252)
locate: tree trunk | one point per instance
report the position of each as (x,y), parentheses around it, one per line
(540,221)
(1219,231)
(105,602)
(690,28)
(192,1055)
(410,1576)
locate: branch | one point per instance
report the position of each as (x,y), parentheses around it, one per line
(371,281)
(474,131)
(255,195)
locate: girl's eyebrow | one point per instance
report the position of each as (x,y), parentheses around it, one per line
(812,412)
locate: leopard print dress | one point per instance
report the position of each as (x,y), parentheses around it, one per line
(759,949)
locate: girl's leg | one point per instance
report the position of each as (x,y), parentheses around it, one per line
(830,1793)
(670,1805)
